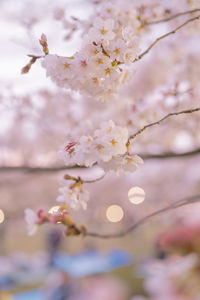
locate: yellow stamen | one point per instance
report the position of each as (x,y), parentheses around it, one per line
(109,130)
(108,71)
(83,63)
(100,61)
(113,142)
(117,51)
(114,63)
(95,80)
(95,52)
(104,31)
(66,65)
(99,147)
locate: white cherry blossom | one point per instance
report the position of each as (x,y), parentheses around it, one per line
(31,218)
(107,147)
(99,68)
(75,196)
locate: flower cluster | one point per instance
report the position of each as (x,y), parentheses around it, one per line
(107,146)
(74,195)
(101,66)
(60,215)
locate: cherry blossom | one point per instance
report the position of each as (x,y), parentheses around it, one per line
(74,195)
(107,147)
(141,59)
(111,42)
(31,220)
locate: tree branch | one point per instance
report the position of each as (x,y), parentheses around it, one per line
(168,155)
(164,36)
(28,169)
(142,221)
(188,111)
(172,17)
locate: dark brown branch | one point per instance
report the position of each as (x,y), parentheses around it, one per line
(142,221)
(27,169)
(184,13)
(168,155)
(188,111)
(27,67)
(166,35)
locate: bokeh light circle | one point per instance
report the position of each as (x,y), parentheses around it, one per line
(54,209)
(114,213)
(136,195)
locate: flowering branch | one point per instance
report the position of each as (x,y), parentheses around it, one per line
(144,156)
(164,36)
(188,111)
(34,58)
(142,221)
(62,216)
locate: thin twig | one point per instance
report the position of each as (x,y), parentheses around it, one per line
(172,17)
(166,35)
(94,180)
(142,221)
(188,111)
(80,180)
(36,56)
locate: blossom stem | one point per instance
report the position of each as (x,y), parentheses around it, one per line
(164,36)
(171,17)
(79,179)
(188,111)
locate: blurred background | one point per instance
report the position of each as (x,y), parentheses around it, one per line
(36,118)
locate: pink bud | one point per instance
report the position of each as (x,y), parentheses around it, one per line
(43,40)
(25,69)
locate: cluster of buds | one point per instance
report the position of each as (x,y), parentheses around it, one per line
(60,216)
(43,43)
(27,67)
